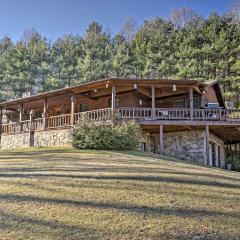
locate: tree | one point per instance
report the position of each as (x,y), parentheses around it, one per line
(129,30)
(153,49)
(121,57)
(234,10)
(182,17)
(95,63)
(65,53)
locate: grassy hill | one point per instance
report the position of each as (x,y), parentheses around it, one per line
(70,194)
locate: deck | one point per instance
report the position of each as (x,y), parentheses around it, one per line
(166,116)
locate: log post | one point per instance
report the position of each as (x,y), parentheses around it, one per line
(153,103)
(21,116)
(45,106)
(207,156)
(31,128)
(113,105)
(191,102)
(72,109)
(1,115)
(161,146)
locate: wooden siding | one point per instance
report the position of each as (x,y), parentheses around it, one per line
(210,95)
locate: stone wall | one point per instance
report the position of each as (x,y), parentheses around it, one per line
(15,141)
(185,145)
(61,137)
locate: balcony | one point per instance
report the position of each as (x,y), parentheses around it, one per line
(143,115)
(181,114)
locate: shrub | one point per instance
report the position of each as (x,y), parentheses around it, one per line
(105,136)
(233,159)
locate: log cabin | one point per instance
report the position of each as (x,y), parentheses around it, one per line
(175,116)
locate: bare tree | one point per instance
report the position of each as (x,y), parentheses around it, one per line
(129,29)
(181,17)
(234,10)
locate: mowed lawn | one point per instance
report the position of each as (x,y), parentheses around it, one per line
(70,194)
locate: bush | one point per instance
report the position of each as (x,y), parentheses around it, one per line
(104,136)
(233,159)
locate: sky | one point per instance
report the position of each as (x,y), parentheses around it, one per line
(54,18)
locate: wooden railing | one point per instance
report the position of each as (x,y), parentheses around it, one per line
(60,121)
(11,128)
(25,126)
(38,124)
(94,115)
(177,114)
(134,113)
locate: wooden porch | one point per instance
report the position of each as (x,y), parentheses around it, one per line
(145,116)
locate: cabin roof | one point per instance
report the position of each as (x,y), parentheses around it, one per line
(100,83)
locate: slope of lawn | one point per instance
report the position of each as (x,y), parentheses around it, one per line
(70,194)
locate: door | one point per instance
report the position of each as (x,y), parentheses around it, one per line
(219,156)
(212,154)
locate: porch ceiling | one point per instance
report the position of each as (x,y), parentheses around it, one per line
(230,134)
(123,84)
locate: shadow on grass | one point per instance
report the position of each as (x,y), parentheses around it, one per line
(116,169)
(146,210)
(164,179)
(11,221)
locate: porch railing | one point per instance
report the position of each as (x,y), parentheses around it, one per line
(177,114)
(58,121)
(94,115)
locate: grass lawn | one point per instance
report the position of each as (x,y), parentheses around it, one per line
(70,194)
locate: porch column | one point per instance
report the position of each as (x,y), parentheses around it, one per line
(207,156)
(113,106)
(72,109)
(153,103)
(1,114)
(161,139)
(20,116)
(31,128)
(45,114)
(20,112)
(191,102)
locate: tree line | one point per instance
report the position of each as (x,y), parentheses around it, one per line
(183,46)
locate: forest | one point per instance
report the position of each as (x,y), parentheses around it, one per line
(184,45)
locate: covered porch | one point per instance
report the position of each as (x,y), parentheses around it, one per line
(168,101)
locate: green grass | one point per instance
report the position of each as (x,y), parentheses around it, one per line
(70,194)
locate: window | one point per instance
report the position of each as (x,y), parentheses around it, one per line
(117,102)
(83,107)
(179,103)
(196,102)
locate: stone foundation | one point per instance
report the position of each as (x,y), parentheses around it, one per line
(15,141)
(185,145)
(61,137)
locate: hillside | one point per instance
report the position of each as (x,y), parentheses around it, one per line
(70,194)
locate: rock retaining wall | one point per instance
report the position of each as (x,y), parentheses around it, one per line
(186,145)
(61,137)
(15,141)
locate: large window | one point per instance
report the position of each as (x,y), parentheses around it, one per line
(117,102)
(83,107)
(180,103)
(185,102)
